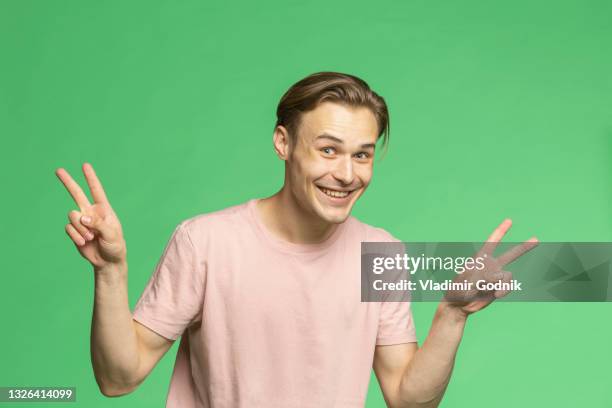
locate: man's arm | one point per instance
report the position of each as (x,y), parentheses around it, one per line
(123,351)
(417,377)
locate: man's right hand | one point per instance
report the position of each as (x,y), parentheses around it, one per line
(94,228)
(123,351)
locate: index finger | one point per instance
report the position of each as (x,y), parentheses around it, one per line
(515,252)
(73,188)
(97,192)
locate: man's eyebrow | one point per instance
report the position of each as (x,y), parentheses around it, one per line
(338,140)
(330,137)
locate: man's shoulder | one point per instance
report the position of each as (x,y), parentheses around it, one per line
(218,220)
(371,233)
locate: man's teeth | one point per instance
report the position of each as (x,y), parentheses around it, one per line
(333,193)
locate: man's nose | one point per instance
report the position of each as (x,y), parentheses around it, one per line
(344,170)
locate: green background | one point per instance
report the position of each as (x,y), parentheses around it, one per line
(498,109)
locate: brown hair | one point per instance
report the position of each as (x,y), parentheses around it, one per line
(309,92)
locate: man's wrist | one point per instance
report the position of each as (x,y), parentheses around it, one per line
(111,273)
(451,312)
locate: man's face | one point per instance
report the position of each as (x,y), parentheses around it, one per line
(331,164)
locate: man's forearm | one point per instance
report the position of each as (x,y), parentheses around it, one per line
(114,343)
(428,373)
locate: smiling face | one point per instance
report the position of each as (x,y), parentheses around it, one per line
(331,164)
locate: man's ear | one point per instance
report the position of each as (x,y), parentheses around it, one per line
(282,144)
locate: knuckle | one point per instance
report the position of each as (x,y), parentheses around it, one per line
(82,232)
(77,225)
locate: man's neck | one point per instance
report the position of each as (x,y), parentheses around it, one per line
(285,218)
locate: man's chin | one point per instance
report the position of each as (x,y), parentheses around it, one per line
(335,217)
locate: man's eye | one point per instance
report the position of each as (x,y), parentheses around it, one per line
(362,155)
(328,150)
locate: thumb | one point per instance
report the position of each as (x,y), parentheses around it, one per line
(97,223)
(86,220)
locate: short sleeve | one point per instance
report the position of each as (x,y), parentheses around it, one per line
(172,299)
(395,324)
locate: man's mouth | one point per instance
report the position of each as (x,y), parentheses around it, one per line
(335,193)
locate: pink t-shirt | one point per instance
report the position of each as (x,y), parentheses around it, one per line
(265,322)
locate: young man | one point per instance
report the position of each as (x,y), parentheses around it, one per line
(266,294)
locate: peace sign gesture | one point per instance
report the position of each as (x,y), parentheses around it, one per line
(474,299)
(95,228)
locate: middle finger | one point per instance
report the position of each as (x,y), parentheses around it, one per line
(495,237)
